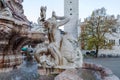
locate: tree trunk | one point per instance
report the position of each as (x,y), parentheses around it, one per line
(96,54)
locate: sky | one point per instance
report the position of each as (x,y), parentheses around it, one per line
(32,7)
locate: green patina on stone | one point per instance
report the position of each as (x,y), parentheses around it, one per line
(24,49)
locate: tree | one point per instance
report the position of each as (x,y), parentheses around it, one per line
(94,29)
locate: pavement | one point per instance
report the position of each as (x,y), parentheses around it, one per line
(111,63)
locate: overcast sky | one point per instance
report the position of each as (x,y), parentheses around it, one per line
(32,7)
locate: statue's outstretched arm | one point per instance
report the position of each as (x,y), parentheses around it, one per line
(63,20)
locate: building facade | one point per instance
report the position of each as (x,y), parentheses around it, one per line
(113,38)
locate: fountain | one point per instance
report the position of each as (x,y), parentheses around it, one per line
(14,33)
(57,54)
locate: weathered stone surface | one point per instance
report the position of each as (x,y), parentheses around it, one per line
(63,48)
(106,72)
(70,74)
(98,67)
(14,32)
(112,77)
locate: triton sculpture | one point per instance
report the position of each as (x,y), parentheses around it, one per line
(62,50)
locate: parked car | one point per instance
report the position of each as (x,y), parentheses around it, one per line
(87,53)
(91,53)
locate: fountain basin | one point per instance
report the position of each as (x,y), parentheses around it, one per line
(89,71)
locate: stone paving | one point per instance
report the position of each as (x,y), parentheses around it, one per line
(111,63)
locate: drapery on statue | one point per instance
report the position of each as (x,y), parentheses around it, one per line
(62,48)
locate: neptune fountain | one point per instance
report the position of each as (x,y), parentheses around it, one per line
(41,52)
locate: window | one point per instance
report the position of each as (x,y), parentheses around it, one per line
(70,1)
(119,30)
(112,42)
(114,30)
(105,42)
(70,9)
(70,13)
(119,41)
